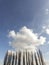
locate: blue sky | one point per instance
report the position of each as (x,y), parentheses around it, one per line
(15,14)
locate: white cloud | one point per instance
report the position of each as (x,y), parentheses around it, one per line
(48,42)
(25,38)
(47,31)
(44,27)
(12,34)
(46,11)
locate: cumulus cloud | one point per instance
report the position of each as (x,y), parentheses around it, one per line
(12,34)
(25,38)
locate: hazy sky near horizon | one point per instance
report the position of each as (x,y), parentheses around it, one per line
(15,14)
